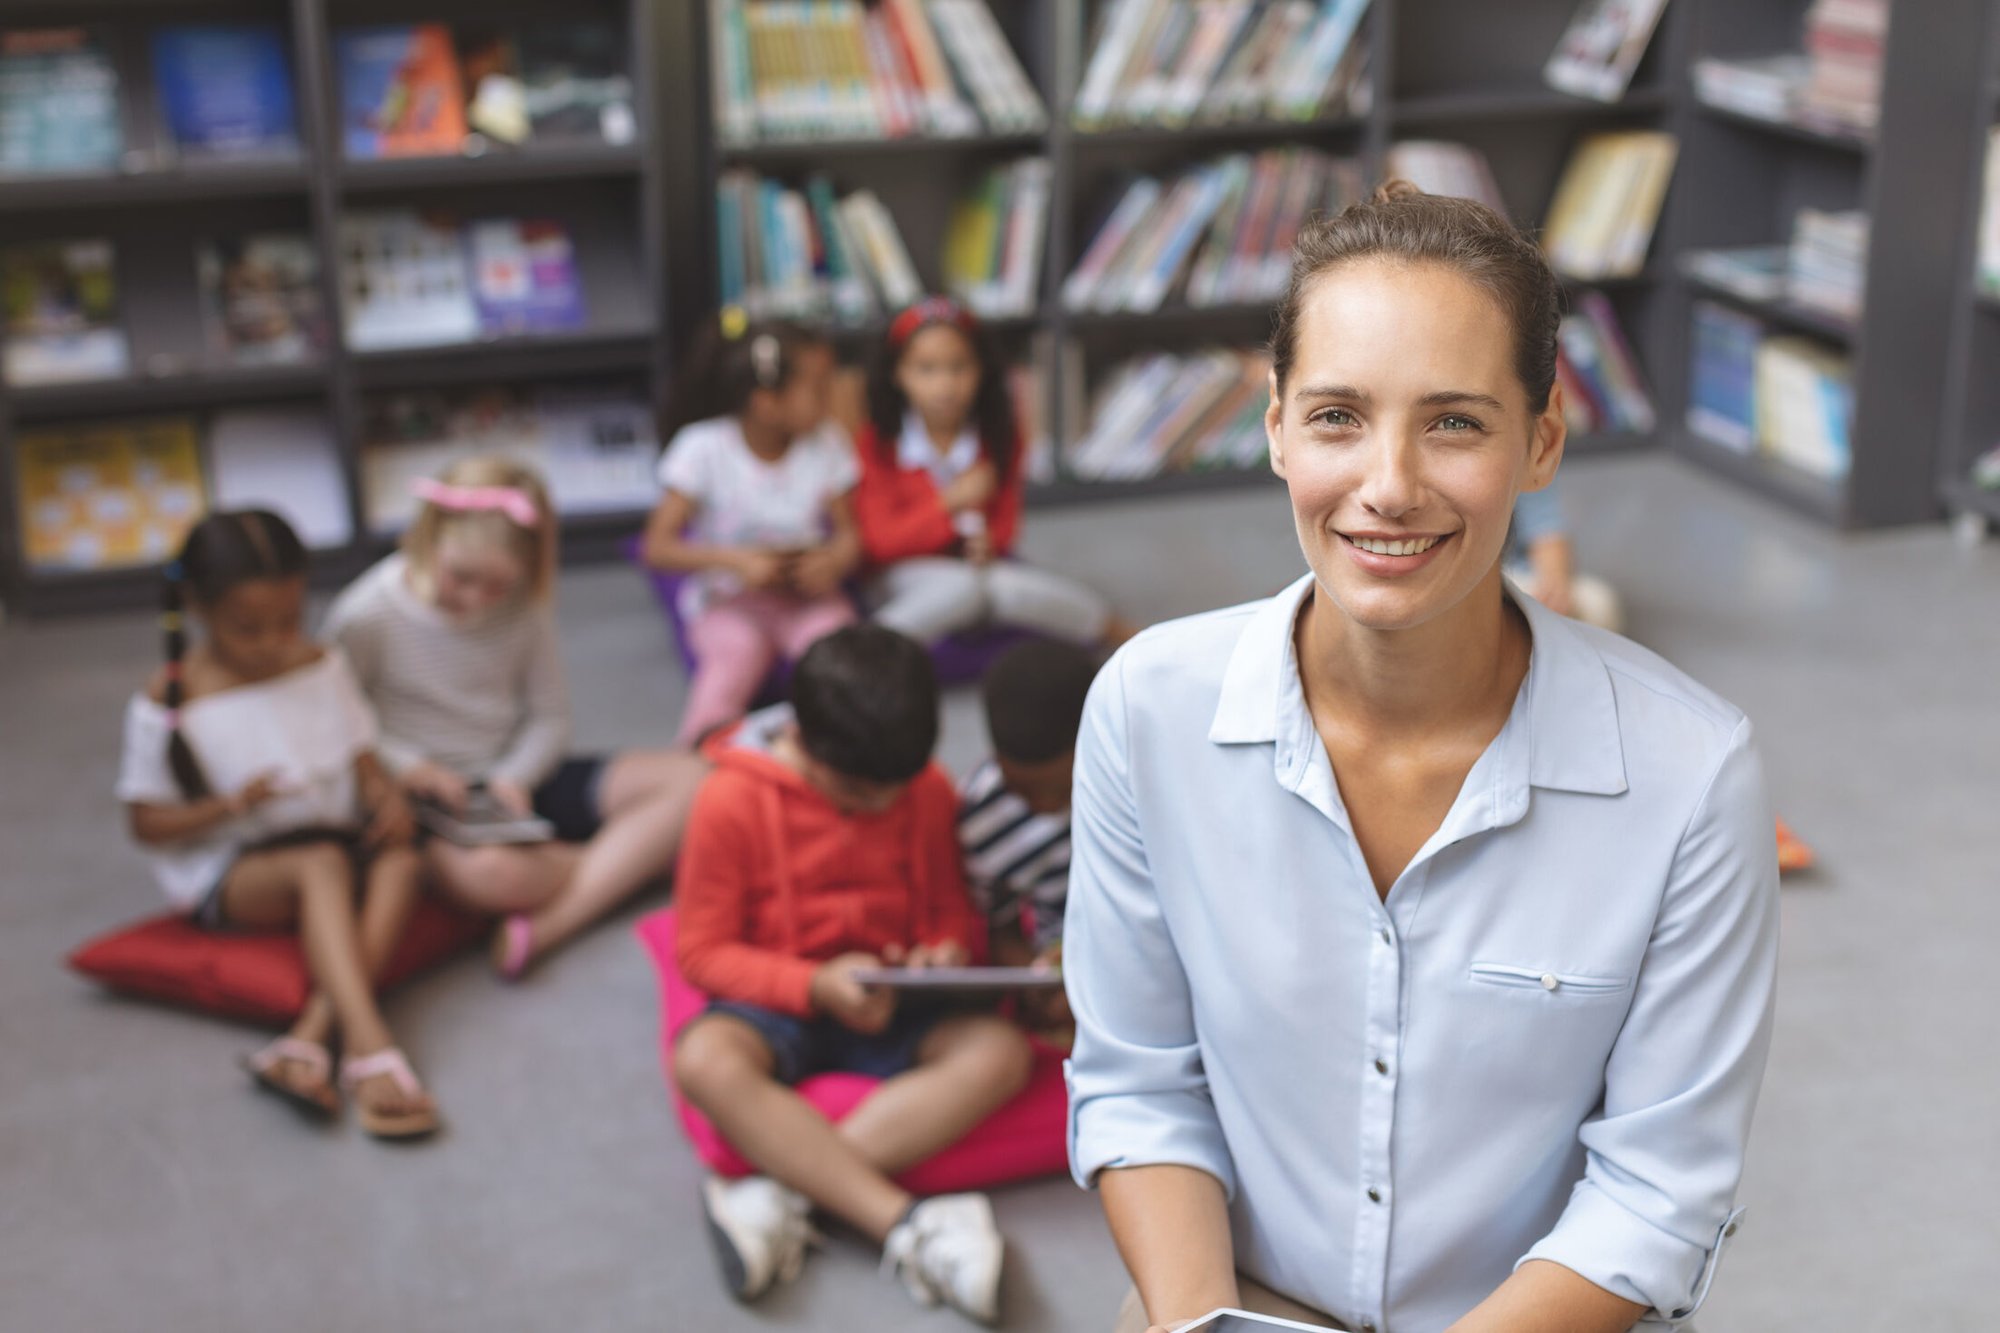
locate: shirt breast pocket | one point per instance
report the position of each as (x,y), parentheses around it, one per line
(1564,985)
(1538,1036)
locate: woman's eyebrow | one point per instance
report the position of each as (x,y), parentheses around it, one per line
(1342,391)
(1456,398)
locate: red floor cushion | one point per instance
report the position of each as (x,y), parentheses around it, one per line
(1022,1139)
(258,978)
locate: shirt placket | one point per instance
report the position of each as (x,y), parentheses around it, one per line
(1375,1182)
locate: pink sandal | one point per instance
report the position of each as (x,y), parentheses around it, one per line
(383,1124)
(515,947)
(262,1067)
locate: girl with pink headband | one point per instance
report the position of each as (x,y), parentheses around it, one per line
(454,640)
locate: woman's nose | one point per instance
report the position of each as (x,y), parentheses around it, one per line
(1391,487)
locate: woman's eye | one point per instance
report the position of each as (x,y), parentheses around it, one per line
(1457,423)
(1334,417)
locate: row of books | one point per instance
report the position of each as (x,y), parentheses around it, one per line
(429,90)
(810,69)
(993,245)
(1172,412)
(1221,233)
(224,91)
(808,253)
(1822,269)
(1835,84)
(407,279)
(1785,397)
(1177,62)
(1604,391)
(117,494)
(1607,205)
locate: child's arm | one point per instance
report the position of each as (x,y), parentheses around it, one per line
(666,547)
(1553,559)
(155,825)
(719,854)
(390,823)
(899,520)
(1003,511)
(543,736)
(950,915)
(819,571)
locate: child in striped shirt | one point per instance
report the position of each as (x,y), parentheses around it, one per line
(1013,821)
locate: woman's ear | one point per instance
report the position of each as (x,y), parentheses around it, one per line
(1551,434)
(1274,422)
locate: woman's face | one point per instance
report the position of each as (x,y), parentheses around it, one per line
(939,373)
(1404,434)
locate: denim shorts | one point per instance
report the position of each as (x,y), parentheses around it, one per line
(802,1047)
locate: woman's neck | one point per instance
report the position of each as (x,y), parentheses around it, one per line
(1461,668)
(766,441)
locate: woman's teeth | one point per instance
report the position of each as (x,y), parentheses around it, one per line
(1417,546)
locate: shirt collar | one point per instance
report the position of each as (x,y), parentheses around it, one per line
(915,452)
(1573,741)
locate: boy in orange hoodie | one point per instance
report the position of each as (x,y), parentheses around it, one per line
(825,843)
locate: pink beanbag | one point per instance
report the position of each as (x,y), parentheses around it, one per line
(257,978)
(1022,1139)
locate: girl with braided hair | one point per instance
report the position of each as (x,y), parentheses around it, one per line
(249,776)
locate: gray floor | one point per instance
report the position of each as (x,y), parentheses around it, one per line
(141,1185)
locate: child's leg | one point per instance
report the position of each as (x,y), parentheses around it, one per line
(500,880)
(733,651)
(394,884)
(800,623)
(968,1067)
(1052,605)
(724,1066)
(930,597)
(645,796)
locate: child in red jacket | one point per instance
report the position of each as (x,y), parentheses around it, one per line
(825,843)
(940,496)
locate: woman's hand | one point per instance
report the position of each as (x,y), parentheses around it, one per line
(972,489)
(859,1008)
(818,572)
(435,782)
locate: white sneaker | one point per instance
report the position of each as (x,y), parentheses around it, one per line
(761,1232)
(950,1249)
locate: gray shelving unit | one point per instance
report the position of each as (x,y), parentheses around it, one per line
(612,198)
(1972,390)
(1741,180)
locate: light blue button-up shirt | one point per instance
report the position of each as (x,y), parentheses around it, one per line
(1545,1043)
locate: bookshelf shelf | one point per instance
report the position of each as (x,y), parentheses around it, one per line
(1816,497)
(1073,491)
(542,355)
(199,388)
(1835,140)
(1523,102)
(1971,418)
(547,162)
(1227,132)
(189,184)
(1788,315)
(916,145)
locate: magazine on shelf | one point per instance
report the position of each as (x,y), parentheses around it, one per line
(1722,376)
(260,300)
(1607,205)
(1602,48)
(600,448)
(226,90)
(283,459)
(524,277)
(62,317)
(1753,272)
(400,91)
(107,496)
(59,102)
(1765,88)
(404,282)
(1805,400)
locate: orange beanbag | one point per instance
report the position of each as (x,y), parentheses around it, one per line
(257,978)
(1022,1139)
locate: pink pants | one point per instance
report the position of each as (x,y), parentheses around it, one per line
(738,639)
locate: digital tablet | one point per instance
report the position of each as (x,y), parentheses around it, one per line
(484,822)
(1242,1321)
(961,978)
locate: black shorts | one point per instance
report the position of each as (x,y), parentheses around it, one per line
(568,798)
(802,1047)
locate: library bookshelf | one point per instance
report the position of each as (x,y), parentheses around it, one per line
(1972,395)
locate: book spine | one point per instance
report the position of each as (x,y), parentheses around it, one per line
(1079,289)
(1092,103)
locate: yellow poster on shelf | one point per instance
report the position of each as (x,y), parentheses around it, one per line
(105,496)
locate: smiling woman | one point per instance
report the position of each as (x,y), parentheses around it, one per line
(1526,1108)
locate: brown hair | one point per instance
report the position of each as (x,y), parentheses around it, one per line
(534,547)
(1402,224)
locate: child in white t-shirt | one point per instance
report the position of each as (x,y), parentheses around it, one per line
(756,508)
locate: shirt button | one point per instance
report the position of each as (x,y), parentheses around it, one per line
(1374,1196)
(1382,1066)
(1386,937)
(1549,981)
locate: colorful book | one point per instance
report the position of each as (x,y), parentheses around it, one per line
(524,277)
(59,104)
(226,90)
(62,318)
(1722,377)
(404,281)
(400,92)
(260,300)
(107,496)
(1607,205)
(1602,48)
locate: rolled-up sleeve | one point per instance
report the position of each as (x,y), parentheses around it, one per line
(1649,1218)
(1138,1093)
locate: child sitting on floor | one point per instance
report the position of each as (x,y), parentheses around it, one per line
(454,640)
(249,775)
(1013,818)
(756,508)
(823,845)
(1541,559)
(940,497)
